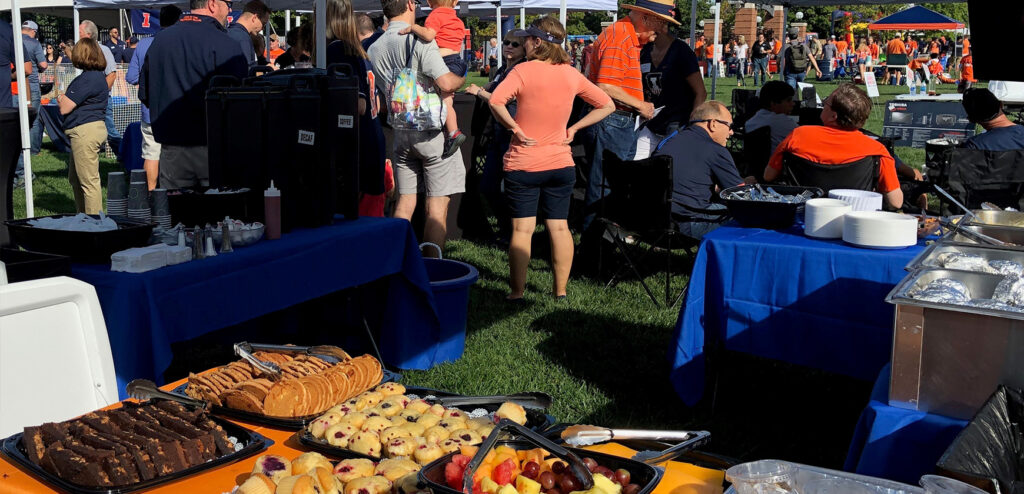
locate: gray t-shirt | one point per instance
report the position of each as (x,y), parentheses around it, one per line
(111,64)
(828,52)
(33,53)
(390,52)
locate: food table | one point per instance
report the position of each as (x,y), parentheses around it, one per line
(896,443)
(785,296)
(146,312)
(679,478)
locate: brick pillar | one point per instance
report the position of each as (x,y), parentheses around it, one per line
(801,28)
(746,23)
(775,23)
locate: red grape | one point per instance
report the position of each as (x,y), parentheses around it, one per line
(622,475)
(547,481)
(531,469)
(631,489)
(567,484)
(553,490)
(607,472)
(590,463)
(558,467)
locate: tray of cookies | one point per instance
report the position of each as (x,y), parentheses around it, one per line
(304,388)
(312,472)
(393,421)
(134,447)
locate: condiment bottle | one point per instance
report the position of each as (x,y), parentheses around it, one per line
(272,212)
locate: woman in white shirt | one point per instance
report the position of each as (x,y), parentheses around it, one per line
(741,59)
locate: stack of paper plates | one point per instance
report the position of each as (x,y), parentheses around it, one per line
(823,218)
(859,200)
(879,229)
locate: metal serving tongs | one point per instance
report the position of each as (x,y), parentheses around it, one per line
(327,353)
(585,435)
(144,389)
(529,399)
(506,427)
(968,215)
(270,369)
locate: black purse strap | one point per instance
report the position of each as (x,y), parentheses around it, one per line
(410,44)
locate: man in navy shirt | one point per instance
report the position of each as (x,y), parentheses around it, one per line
(116,45)
(700,163)
(6,60)
(983,108)
(252,20)
(175,76)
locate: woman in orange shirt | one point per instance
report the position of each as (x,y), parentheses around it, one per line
(539,166)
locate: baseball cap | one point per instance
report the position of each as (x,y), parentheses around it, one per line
(31,25)
(538,33)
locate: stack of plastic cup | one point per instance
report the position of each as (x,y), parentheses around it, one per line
(138,202)
(161,211)
(117,194)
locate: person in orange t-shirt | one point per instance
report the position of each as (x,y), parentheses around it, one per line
(967,46)
(840,141)
(873,46)
(841,47)
(966,74)
(911,47)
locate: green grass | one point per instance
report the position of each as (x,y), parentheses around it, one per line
(51,189)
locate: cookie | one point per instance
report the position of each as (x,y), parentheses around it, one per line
(321,423)
(241,400)
(366,442)
(339,434)
(390,389)
(393,433)
(436,434)
(402,446)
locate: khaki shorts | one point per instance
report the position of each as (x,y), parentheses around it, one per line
(150,148)
(420,168)
(183,167)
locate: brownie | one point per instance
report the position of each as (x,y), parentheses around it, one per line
(92,475)
(193,450)
(178,410)
(220,438)
(122,419)
(176,455)
(98,441)
(148,430)
(144,464)
(32,440)
(48,460)
(128,463)
(90,454)
(161,462)
(53,432)
(101,423)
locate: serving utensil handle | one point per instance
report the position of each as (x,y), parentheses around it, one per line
(144,389)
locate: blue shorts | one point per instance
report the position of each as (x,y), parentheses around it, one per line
(457,64)
(526,190)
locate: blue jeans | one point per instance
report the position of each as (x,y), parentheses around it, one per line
(35,133)
(113,136)
(793,78)
(702,224)
(616,134)
(760,71)
(493,175)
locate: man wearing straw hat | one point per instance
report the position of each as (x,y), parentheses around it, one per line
(615,68)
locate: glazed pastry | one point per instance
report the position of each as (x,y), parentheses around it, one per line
(437,410)
(427,453)
(395,469)
(321,423)
(418,406)
(368,485)
(428,420)
(394,404)
(355,419)
(454,412)
(449,445)
(365,442)
(513,412)
(398,421)
(389,389)
(298,484)
(408,415)
(415,429)
(355,468)
(329,484)
(402,446)
(371,412)
(368,399)
(342,409)
(453,423)
(257,483)
(479,422)
(467,437)
(485,431)
(308,461)
(392,433)
(376,424)
(273,466)
(436,434)
(340,434)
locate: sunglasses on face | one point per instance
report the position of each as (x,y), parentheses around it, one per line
(229,3)
(513,44)
(723,122)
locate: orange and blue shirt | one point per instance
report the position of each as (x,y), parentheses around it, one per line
(616,59)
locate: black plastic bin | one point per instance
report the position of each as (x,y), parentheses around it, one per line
(24,265)
(763,214)
(989,452)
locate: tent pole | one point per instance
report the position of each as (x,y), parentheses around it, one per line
(77,22)
(120,23)
(298,19)
(497,31)
(784,39)
(717,52)
(563,13)
(287,21)
(266,40)
(321,34)
(19,64)
(522,17)
(693,25)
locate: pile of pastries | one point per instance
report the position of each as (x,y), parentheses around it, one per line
(384,423)
(307,385)
(311,473)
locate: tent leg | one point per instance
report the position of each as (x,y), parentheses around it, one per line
(693,25)
(321,33)
(19,64)
(522,17)
(717,50)
(120,23)
(497,30)
(77,21)
(563,13)
(287,21)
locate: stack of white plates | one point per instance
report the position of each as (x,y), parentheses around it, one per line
(879,229)
(859,200)
(823,218)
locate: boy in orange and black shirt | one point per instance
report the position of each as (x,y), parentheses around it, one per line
(966,72)
(444,26)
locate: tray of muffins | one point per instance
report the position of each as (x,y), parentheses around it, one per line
(392,421)
(134,447)
(282,386)
(313,473)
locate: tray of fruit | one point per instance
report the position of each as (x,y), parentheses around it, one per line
(524,462)
(312,472)
(303,386)
(137,446)
(394,421)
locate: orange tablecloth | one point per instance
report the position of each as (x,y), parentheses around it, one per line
(680,478)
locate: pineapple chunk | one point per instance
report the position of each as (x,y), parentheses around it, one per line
(507,489)
(489,486)
(527,486)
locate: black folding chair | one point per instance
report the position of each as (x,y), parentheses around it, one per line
(861,174)
(640,201)
(976,176)
(757,150)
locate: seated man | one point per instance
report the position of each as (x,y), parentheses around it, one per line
(840,141)
(776,105)
(1000,133)
(700,164)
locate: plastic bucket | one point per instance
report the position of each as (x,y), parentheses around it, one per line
(450,281)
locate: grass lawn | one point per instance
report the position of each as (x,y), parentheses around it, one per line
(603,353)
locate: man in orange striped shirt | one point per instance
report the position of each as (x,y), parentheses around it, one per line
(615,68)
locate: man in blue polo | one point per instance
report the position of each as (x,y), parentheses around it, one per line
(253,18)
(175,76)
(116,45)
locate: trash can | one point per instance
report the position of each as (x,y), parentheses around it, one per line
(450,282)
(988,452)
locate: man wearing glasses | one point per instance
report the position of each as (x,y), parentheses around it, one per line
(175,76)
(700,165)
(615,68)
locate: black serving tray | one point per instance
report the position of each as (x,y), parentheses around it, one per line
(88,247)
(254,443)
(285,423)
(763,214)
(536,420)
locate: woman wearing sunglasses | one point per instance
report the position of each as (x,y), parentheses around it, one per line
(490,183)
(539,168)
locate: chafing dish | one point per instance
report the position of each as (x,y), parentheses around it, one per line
(998,218)
(1010,235)
(931,256)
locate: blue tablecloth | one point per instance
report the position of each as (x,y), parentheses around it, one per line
(785,296)
(131,147)
(53,123)
(147,312)
(895,443)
